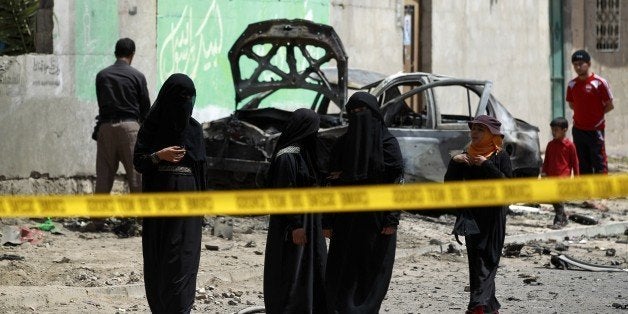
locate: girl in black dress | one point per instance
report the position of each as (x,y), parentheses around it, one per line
(484,228)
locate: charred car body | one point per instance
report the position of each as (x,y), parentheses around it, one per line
(427,113)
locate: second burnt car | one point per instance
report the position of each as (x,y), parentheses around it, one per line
(427,113)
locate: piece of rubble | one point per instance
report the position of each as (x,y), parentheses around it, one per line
(583,219)
(560,247)
(10,235)
(522,210)
(212,247)
(513,249)
(567,262)
(223,227)
(11,257)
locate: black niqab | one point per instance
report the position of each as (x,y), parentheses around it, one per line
(368,147)
(170,122)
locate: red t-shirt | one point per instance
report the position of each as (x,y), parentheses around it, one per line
(560,158)
(588,97)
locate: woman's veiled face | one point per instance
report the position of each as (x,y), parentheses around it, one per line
(357,109)
(478,133)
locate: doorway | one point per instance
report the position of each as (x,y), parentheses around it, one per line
(411,49)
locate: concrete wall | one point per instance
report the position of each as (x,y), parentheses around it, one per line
(47,102)
(503,41)
(579,18)
(371,31)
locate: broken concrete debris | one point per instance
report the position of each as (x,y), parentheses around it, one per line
(567,262)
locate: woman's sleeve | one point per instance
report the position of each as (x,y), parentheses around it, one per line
(391,218)
(142,159)
(503,168)
(454,171)
(284,175)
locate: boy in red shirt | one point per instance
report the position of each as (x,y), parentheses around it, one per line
(590,98)
(560,160)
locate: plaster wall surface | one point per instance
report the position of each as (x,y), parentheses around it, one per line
(371,31)
(48,102)
(611,65)
(503,41)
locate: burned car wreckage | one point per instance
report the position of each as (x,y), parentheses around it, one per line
(427,113)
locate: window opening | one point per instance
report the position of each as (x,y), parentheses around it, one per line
(607,28)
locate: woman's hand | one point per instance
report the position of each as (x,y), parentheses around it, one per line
(327,233)
(172,154)
(478,160)
(299,237)
(461,158)
(389,230)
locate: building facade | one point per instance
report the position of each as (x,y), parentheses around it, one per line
(48,101)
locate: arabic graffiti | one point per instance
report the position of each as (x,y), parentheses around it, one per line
(193,37)
(46,71)
(189,48)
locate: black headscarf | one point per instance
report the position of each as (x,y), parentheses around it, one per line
(367,148)
(169,121)
(301,131)
(302,126)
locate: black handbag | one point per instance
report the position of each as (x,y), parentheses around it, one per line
(465,225)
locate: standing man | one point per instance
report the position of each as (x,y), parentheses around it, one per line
(123,104)
(590,98)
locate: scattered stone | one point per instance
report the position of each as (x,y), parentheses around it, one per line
(223,227)
(620,306)
(212,247)
(62,261)
(453,249)
(611,252)
(513,250)
(11,257)
(583,219)
(258,252)
(560,247)
(250,244)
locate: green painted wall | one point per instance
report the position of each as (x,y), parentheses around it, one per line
(194,37)
(96,24)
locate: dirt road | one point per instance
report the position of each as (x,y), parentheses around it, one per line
(97,272)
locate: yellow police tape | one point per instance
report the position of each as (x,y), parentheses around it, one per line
(317,200)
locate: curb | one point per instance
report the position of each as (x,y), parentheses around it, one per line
(559,235)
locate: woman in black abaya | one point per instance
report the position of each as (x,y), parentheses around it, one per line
(294,268)
(170,155)
(362,248)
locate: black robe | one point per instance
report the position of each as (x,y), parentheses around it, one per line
(171,246)
(294,274)
(484,229)
(360,258)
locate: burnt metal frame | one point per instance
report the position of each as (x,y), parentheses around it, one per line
(291,34)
